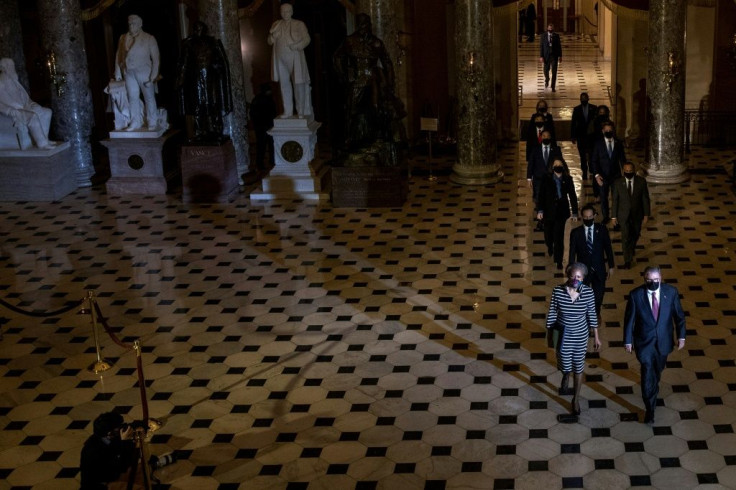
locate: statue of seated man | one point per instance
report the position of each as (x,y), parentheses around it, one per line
(27,116)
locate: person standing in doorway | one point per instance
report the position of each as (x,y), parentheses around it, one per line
(531,21)
(550,53)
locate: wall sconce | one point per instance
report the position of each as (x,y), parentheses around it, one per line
(58,79)
(673,69)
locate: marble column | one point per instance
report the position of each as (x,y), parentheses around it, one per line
(11,39)
(387,18)
(221,18)
(61,33)
(666,90)
(476,131)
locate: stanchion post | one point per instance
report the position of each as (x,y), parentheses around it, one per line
(100,365)
(430,125)
(152,423)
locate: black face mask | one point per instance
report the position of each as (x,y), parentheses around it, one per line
(558,170)
(608,134)
(542,110)
(546,141)
(652,285)
(588,222)
(629,175)
(584,102)
(539,124)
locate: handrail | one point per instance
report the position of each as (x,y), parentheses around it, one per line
(589,21)
(521,95)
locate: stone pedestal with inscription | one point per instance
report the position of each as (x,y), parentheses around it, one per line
(37,175)
(295,174)
(209,173)
(141,165)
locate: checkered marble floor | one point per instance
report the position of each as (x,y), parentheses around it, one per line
(296,345)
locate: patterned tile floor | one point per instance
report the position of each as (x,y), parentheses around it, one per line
(295,345)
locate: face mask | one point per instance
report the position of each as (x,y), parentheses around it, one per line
(652,285)
(608,134)
(629,175)
(546,141)
(558,170)
(574,283)
(542,110)
(539,124)
(584,101)
(588,222)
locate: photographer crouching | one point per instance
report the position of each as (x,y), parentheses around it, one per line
(113,448)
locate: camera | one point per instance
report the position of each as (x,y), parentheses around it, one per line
(135,425)
(161,461)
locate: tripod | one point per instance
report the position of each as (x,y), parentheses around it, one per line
(139,436)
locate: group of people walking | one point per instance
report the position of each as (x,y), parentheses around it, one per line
(654,316)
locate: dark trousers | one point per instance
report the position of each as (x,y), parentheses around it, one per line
(652,366)
(264,144)
(630,233)
(584,161)
(599,288)
(530,30)
(550,63)
(603,192)
(554,229)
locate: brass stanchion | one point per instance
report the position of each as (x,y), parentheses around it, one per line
(152,423)
(100,365)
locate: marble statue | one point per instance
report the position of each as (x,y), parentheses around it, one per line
(23,116)
(203,84)
(289,37)
(137,63)
(373,112)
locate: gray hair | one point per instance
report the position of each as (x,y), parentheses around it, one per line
(576,266)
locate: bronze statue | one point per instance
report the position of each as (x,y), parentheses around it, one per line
(203,84)
(373,111)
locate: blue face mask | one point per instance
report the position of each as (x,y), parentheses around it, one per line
(574,283)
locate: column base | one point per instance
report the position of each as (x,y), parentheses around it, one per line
(482,175)
(668,176)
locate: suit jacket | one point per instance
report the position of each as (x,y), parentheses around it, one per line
(608,167)
(602,250)
(549,125)
(643,332)
(547,198)
(532,140)
(545,50)
(580,123)
(536,166)
(635,205)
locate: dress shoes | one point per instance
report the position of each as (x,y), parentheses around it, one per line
(546,83)
(627,265)
(553,89)
(649,418)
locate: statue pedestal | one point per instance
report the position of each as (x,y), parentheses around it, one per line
(209,173)
(37,175)
(369,187)
(294,175)
(137,165)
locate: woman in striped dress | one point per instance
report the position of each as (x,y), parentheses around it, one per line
(572,308)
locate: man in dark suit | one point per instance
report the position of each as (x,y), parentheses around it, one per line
(606,161)
(550,53)
(540,162)
(582,116)
(534,134)
(653,314)
(556,198)
(630,209)
(590,244)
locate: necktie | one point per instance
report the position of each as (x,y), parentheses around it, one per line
(546,154)
(610,149)
(655,306)
(589,240)
(539,135)
(631,187)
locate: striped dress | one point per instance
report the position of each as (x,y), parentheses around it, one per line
(576,318)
